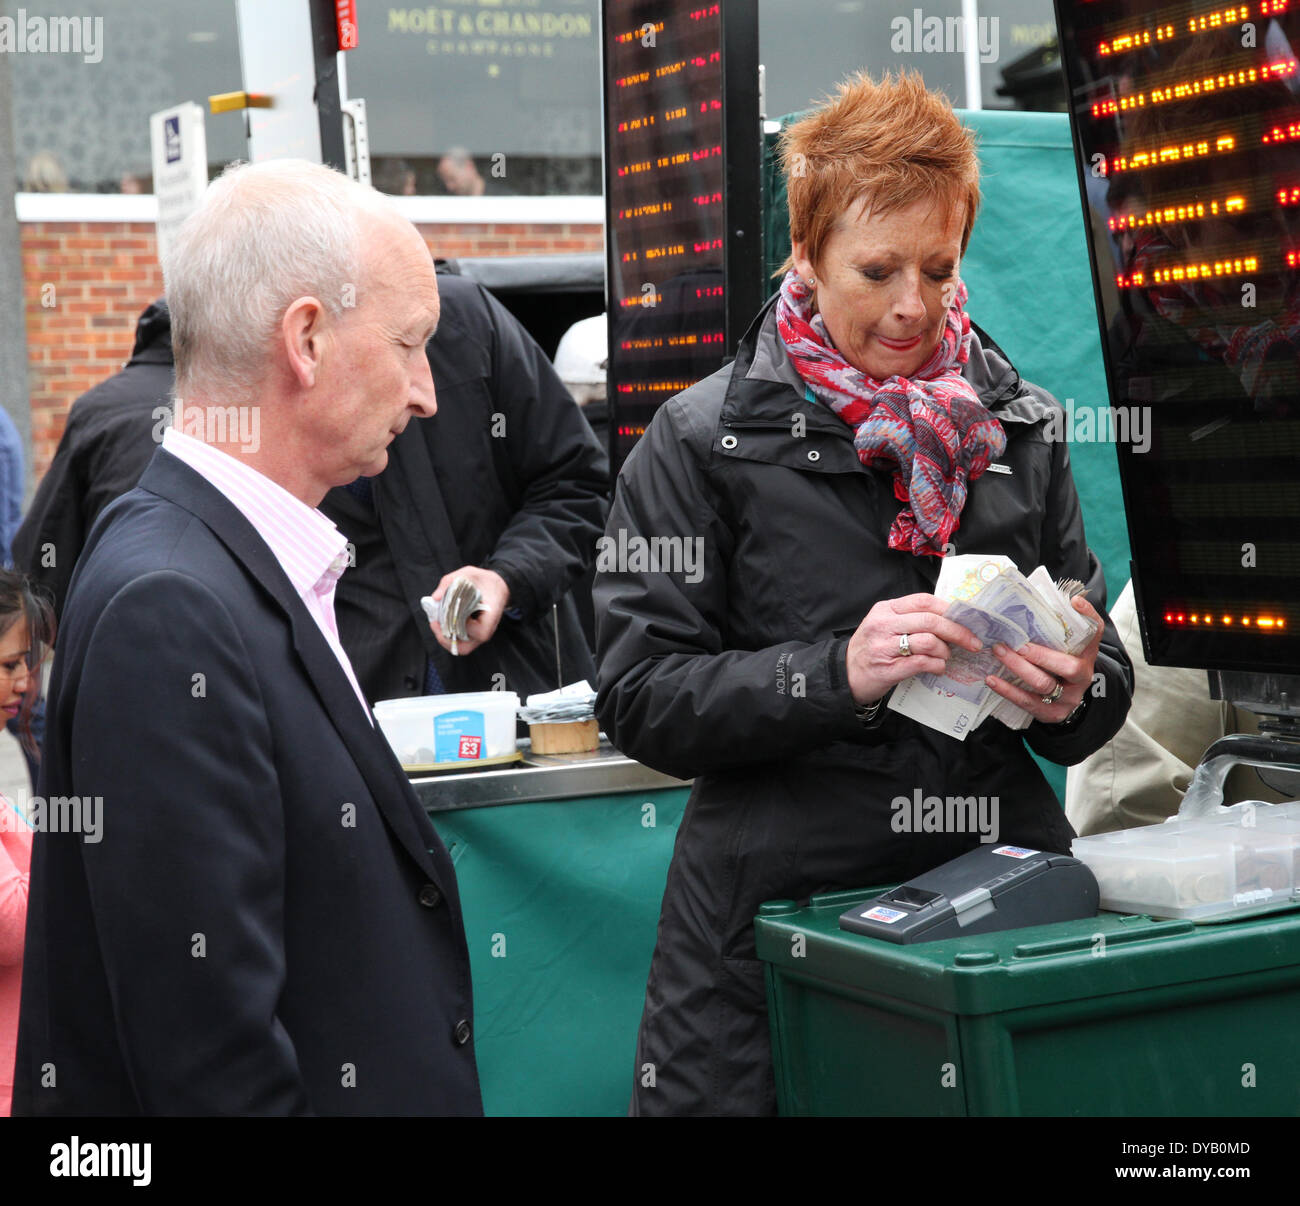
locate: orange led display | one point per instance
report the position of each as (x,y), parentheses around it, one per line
(1215,20)
(1164,30)
(654,387)
(1173,154)
(1133,41)
(1267,622)
(1189,88)
(1169,214)
(640,211)
(1289,133)
(1196,272)
(638,34)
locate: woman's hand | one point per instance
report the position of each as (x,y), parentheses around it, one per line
(1043,669)
(876,660)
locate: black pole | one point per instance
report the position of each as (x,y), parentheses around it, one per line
(329,110)
(742,149)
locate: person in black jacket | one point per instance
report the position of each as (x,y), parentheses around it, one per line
(506,485)
(505,480)
(767,577)
(111,432)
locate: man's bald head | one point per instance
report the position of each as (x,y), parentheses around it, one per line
(263,236)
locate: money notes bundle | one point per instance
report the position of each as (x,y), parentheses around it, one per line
(991,597)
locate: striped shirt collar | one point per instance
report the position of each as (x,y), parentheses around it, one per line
(310,549)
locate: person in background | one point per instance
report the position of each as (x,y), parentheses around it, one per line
(505,485)
(26,631)
(45,174)
(11,485)
(460,175)
(582,363)
(396,178)
(1140,775)
(822,475)
(111,432)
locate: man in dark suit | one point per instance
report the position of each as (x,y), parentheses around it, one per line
(269,925)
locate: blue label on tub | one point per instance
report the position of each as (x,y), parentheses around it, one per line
(458,736)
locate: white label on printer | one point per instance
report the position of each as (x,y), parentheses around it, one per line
(1015,851)
(880,913)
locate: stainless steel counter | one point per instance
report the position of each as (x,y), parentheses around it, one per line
(540,777)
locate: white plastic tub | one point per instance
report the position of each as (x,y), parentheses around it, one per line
(434,732)
(1202,869)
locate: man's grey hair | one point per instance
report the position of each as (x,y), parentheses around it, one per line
(264,235)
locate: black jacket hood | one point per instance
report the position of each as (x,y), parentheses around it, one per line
(153,334)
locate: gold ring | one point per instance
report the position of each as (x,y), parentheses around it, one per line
(1055,695)
(904,648)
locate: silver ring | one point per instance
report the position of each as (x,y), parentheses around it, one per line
(904,647)
(1055,695)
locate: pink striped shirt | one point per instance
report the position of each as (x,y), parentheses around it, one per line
(310,549)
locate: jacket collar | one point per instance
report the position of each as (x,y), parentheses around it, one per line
(169,478)
(762,358)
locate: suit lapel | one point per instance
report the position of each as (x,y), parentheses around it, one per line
(172,479)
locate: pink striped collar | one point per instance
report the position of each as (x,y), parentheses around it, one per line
(310,549)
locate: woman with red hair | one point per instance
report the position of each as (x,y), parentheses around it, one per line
(823,474)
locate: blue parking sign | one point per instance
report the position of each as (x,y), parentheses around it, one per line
(172,137)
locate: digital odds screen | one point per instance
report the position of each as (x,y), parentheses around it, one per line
(1186,121)
(665,179)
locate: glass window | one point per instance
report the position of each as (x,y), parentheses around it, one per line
(481,96)
(808,46)
(81,121)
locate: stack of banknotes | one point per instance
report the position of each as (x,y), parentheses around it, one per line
(457,606)
(991,597)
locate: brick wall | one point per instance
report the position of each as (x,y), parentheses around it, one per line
(85,284)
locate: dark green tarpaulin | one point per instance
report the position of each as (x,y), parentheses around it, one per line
(561,901)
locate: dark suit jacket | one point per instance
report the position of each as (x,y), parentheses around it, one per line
(270,924)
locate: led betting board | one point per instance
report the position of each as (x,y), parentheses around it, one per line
(682,146)
(1186,120)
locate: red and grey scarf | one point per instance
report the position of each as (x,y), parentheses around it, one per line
(930,429)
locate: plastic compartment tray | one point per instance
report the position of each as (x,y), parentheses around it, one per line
(1229,865)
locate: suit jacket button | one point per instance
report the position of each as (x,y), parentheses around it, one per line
(430,897)
(462,1033)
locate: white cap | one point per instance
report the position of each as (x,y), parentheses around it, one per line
(583,352)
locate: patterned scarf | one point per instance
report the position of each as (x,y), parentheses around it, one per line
(930,429)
